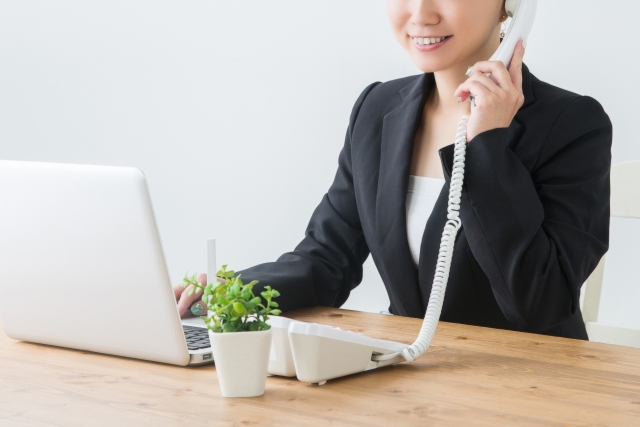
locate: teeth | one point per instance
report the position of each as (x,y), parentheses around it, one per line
(428,40)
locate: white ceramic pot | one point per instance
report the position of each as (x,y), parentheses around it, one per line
(241,360)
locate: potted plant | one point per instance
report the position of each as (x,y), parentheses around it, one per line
(240,337)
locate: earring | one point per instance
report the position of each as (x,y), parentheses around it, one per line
(503,28)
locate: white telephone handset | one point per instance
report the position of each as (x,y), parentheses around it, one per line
(522,13)
(321,352)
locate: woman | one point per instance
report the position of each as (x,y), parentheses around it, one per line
(535,204)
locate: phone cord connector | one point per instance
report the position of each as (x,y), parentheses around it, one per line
(441,277)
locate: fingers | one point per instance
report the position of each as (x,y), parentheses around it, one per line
(198,308)
(202,279)
(177,291)
(186,301)
(503,80)
(471,86)
(497,70)
(486,81)
(515,68)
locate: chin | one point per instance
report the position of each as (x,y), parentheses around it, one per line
(430,65)
(430,62)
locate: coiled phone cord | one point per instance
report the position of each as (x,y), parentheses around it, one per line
(441,277)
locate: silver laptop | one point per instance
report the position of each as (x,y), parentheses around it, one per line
(82,266)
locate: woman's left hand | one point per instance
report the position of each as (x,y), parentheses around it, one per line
(495,104)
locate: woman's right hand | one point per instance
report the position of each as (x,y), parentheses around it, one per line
(185,302)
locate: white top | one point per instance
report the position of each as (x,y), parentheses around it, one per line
(421,197)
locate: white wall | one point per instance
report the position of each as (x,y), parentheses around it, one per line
(247,103)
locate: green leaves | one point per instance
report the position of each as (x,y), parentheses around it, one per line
(232,305)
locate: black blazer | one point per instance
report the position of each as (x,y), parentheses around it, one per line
(534,210)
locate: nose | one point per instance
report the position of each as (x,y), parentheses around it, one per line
(424,13)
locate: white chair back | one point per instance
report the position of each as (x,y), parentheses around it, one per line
(625,203)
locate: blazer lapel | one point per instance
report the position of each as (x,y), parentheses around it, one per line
(398,133)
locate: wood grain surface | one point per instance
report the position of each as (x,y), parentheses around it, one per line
(471,376)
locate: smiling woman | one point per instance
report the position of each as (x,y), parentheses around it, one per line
(534,206)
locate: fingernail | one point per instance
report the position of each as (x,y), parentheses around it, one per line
(469,70)
(524,42)
(197,309)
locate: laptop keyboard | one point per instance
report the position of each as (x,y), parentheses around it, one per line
(197,338)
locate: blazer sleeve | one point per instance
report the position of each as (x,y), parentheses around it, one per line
(327,264)
(539,234)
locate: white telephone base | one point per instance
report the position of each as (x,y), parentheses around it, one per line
(281,359)
(322,352)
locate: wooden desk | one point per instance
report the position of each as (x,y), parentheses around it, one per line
(471,376)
